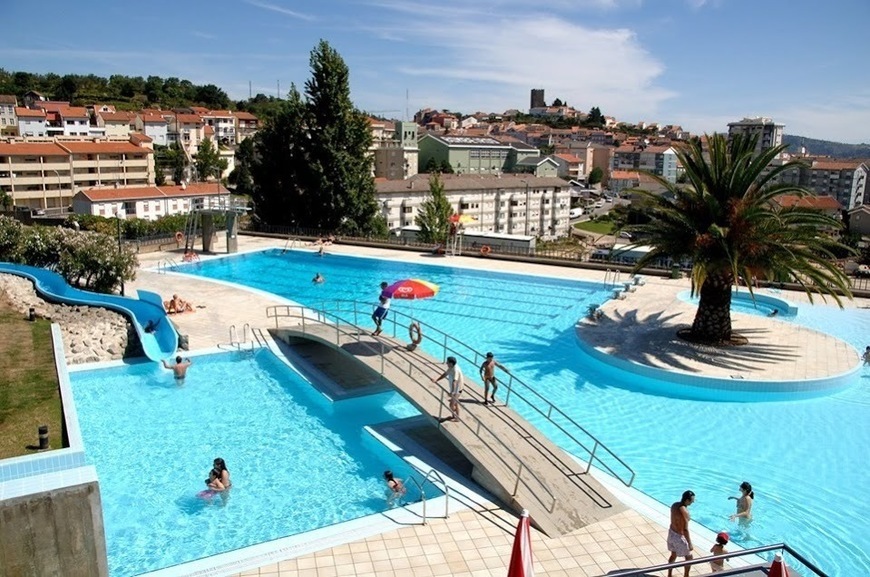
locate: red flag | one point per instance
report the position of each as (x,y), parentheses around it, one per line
(521,557)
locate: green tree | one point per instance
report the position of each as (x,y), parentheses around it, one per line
(317,151)
(5,199)
(445,167)
(431,166)
(240,177)
(178,161)
(435,212)
(595,175)
(208,161)
(595,117)
(726,221)
(211,97)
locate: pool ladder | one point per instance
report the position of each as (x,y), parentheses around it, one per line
(258,340)
(165,265)
(420,487)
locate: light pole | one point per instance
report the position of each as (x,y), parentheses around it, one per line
(59,191)
(118,215)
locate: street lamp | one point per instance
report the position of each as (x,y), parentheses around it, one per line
(118,215)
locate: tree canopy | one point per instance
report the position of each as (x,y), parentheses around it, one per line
(312,164)
(726,220)
(434,216)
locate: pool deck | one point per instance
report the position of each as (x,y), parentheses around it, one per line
(477,541)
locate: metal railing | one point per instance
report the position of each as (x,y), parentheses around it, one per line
(420,487)
(646,571)
(450,345)
(423,380)
(165,265)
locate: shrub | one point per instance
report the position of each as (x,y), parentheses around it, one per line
(10,239)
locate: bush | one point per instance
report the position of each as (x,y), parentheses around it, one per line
(10,239)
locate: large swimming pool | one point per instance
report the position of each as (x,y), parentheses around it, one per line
(804,458)
(286,445)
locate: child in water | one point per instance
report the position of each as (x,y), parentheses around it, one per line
(719,549)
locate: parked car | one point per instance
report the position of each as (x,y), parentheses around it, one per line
(623,234)
(599,204)
(575,212)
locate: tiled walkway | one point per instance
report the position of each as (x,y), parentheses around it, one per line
(477,541)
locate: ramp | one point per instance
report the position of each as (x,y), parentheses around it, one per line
(158,344)
(511,458)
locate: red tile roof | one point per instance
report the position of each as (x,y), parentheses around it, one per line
(32,149)
(836,164)
(104,194)
(74,112)
(244,116)
(208,130)
(117,116)
(8,99)
(138,137)
(149,118)
(221,113)
(29,112)
(199,110)
(188,118)
(624,175)
(104,148)
(569,158)
(823,202)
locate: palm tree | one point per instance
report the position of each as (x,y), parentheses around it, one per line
(725,220)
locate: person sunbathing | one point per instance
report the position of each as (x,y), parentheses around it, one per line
(178,305)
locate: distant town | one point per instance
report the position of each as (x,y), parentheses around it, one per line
(95,159)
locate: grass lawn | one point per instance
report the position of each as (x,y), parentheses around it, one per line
(29,395)
(597,227)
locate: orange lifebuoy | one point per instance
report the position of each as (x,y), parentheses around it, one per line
(415,334)
(485,250)
(179,237)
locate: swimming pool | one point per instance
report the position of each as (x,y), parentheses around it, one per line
(805,458)
(286,445)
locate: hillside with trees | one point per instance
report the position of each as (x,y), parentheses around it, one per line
(825,147)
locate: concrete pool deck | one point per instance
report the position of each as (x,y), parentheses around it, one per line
(478,540)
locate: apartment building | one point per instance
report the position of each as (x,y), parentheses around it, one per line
(844,180)
(592,155)
(44,175)
(8,120)
(660,160)
(508,204)
(145,202)
(569,166)
(31,122)
(394,149)
(246,125)
(768,131)
(474,155)
(223,122)
(73,121)
(153,125)
(117,124)
(186,129)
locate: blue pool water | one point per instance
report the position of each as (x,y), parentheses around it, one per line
(804,458)
(286,446)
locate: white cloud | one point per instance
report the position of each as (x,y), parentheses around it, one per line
(280,10)
(502,58)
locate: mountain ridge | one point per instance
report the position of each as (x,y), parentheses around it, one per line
(817,147)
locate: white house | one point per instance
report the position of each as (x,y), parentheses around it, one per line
(8,121)
(155,126)
(146,202)
(75,120)
(224,124)
(117,124)
(31,122)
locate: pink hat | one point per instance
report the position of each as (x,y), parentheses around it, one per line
(723,536)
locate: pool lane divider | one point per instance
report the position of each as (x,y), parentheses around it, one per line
(159,343)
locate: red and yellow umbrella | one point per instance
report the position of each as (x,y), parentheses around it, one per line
(411,289)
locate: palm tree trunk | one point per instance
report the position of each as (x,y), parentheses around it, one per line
(712,322)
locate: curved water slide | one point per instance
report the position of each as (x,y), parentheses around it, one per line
(147,310)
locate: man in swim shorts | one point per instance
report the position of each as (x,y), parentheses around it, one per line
(679,540)
(487,373)
(455,382)
(179,368)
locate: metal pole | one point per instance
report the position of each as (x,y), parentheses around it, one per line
(59,191)
(118,214)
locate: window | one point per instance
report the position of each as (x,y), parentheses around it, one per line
(407,209)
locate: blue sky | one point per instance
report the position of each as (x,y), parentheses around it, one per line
(697,63)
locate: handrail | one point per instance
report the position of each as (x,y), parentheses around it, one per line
(446,491)
(272,312)
(763,549)
(444,338)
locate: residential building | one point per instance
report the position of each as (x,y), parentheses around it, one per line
(155,126)
(660,160)
(32,97)
(145,202)
(570,166)
(844,180)
(224,124)
(394,149)
(537,166)
(474,154)
(623,180)
(824,203)
(8,120)
(31,122)
(188,130)
(592,155)
(74,120)
(859,220)
(117,124)
(246,125)
(768,131)
(46,174)
(508,204)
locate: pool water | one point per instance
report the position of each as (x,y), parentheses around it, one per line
(286,446)
(804,458)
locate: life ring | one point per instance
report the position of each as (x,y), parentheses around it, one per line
(485,250)
(179,237)
(415,334)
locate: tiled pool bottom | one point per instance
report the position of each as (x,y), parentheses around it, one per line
(287,446)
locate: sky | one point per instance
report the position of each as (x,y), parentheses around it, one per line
(695,63)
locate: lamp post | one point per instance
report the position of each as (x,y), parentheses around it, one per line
(59,191)
(118,215)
